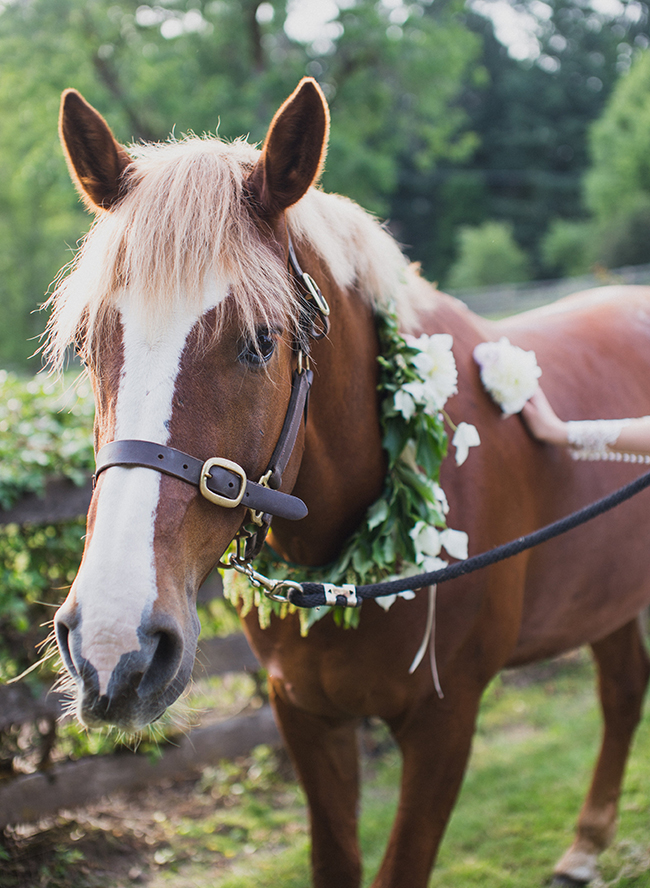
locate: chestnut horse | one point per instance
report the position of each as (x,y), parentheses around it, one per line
(183,309)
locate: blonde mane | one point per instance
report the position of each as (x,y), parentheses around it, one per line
(185,219)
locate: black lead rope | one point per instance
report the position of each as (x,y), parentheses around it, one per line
(318,594)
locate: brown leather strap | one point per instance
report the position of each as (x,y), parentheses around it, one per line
(266,501)
(296,409)
(188,468)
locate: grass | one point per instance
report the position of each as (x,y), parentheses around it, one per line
(531,764)
(245,823)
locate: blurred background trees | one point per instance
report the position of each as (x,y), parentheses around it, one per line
(527,155)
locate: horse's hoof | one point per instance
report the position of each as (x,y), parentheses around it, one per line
(561,881)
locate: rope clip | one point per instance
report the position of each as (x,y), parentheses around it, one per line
(271,588)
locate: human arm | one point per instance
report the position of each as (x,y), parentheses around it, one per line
(594,436)
(542,421)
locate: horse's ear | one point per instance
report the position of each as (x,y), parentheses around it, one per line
(294,150)
(95,160)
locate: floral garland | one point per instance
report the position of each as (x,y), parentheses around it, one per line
(404,531)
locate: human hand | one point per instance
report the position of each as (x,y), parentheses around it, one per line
(542,421)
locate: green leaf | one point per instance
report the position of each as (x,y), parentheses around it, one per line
(377,514)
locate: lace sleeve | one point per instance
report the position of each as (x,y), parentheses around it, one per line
(591,439)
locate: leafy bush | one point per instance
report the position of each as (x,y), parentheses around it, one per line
(36,565)
(45,432)
(568,247)
(573,248)
(625,239)
(488,254)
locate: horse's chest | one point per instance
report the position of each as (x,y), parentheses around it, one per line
(334,672)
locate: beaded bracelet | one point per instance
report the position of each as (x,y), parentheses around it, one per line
(591,439)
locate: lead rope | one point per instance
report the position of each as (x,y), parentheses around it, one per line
(318,594)
(313,594)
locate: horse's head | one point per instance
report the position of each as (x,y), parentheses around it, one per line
(186,316)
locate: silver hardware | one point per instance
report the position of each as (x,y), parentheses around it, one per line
(268,586)
(347,591)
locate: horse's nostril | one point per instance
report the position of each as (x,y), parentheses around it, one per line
(165,649)
(62,632)
(164,663)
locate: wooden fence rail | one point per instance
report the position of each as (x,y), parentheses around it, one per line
(29,797)
(63,501)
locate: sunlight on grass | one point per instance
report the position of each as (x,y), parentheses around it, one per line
(533,754)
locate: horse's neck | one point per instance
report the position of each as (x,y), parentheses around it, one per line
(343,465)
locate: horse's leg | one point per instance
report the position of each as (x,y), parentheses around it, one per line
(325,754)
(623,670)
(435,741)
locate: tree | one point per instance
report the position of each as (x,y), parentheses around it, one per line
(391,72)
(620,144)
(617,186)
(531,118)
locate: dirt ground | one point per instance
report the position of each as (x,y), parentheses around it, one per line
(134,838)
(125,839)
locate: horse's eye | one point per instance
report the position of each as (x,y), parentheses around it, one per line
(259,350)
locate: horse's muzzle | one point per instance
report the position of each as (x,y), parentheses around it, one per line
(140,686)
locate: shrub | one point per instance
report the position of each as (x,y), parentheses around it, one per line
(625,240)
(568,247)
(488,255)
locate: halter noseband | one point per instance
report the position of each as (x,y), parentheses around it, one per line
(222,481)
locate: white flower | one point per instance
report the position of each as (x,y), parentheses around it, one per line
(508,373)
(455,542)
(426,540)
(386,601)
(441,496)
(410,570)
(404,403)
(431,564)
(417,391)
(465,436)
(437,366)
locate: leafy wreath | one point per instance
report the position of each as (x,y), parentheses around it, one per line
(405,529)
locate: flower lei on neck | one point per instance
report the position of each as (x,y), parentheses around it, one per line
(404,531)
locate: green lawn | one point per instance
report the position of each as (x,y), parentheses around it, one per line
(530,767)
(244,823)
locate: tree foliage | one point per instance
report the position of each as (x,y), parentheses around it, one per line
(620,143)
(391,74)
(531,118)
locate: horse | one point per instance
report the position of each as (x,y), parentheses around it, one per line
(184,306)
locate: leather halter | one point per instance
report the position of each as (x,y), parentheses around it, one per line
(222,481)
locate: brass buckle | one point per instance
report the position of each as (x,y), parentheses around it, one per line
(218,498)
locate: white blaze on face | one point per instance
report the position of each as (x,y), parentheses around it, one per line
(116,584)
